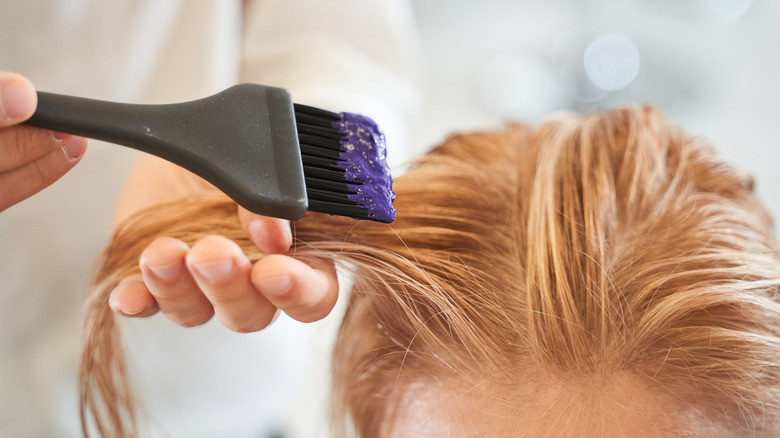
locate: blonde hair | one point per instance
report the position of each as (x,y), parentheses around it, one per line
(586,247)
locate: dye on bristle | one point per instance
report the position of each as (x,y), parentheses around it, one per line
(344,164)
(364,160)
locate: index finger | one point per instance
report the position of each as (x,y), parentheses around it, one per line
(18,99)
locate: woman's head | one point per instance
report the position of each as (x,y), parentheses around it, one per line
(595,276)
(600,271)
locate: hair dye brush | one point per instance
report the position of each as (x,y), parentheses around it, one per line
(271,156)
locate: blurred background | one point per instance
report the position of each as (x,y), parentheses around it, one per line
(711,65)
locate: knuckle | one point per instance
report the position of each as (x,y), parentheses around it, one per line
(39,174)
(20,147)
(24,146)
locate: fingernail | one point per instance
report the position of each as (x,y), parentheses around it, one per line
(18,99)
(60,135)
(216,270)
(167,272)
(131,312)
(128,304)
(275,285)
(75,148)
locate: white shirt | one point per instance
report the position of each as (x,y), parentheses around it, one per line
(349,55)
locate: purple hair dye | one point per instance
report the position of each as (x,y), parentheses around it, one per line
(364,154)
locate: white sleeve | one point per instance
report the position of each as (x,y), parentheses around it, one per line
(342,55)
(348,55)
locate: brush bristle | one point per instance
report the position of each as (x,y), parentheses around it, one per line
(344,164)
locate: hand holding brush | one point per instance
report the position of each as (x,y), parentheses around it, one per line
(276,159)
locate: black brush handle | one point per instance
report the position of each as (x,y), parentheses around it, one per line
(243,140)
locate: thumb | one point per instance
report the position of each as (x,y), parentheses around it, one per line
(17,99)
(271,235)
